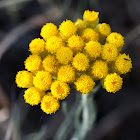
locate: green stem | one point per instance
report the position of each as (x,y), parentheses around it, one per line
(88,108)
(85,106)
(67,124)
(84,127)
(77,116)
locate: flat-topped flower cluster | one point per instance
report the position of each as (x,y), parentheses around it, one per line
(78,53)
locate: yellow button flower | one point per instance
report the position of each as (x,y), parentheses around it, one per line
(80,24)
(42,80)
(50,64)
(116,39)
(67,29)
(91,18)
(72,54)
(123,63)
(33,63)
(99,69)
(90,34)
(33,96)
(76,43)
(84,84)
(104,30)
(80,62)
(49,30)
(64,55)
(93,49)
(66,73)
(49,104)
(37,46)
(24,79)
(109,52)
(53,44)
(60,90)
(113,82)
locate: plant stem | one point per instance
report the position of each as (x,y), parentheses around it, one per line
(88,108)
(84,107)
(85,113)
(67,124)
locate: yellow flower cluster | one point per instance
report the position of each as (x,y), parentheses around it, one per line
(77,53)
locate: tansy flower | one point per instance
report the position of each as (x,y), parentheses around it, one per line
(66,73)
(24,79)
(72,54)
(80,62)
(104,30)
(53,44)
(33,63)
(48,30)
(80,24)
(42,80)
(90,34)
(49,104)
(113,82)
(76,43)
(67,29)
(64,55)
(123,64)
(60,90)
(93,49)
(99,69)
(50,64)
(90,16)
(37,46)
(33,96)
(116,39)
(84,84)
(109,52)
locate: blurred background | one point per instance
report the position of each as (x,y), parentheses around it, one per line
(118,115)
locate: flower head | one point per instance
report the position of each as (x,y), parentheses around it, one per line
(24,79)
(60,90)
(66,73)
(64,55)
(33,96)
(93,49)
(99,69)
(76,43)
(104,30)
(80,62)
(48,31)
(123,63)
(37,46)
(113,82)
(49,104)
(72,54)
(80,24)
(84,84)
(53,44)
(90,16)
(109,52)
(90,34)
(67,29)
(50,64)
(116,39)
(42,80)
(33,63)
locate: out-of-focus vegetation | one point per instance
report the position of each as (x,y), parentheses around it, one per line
(20,22)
